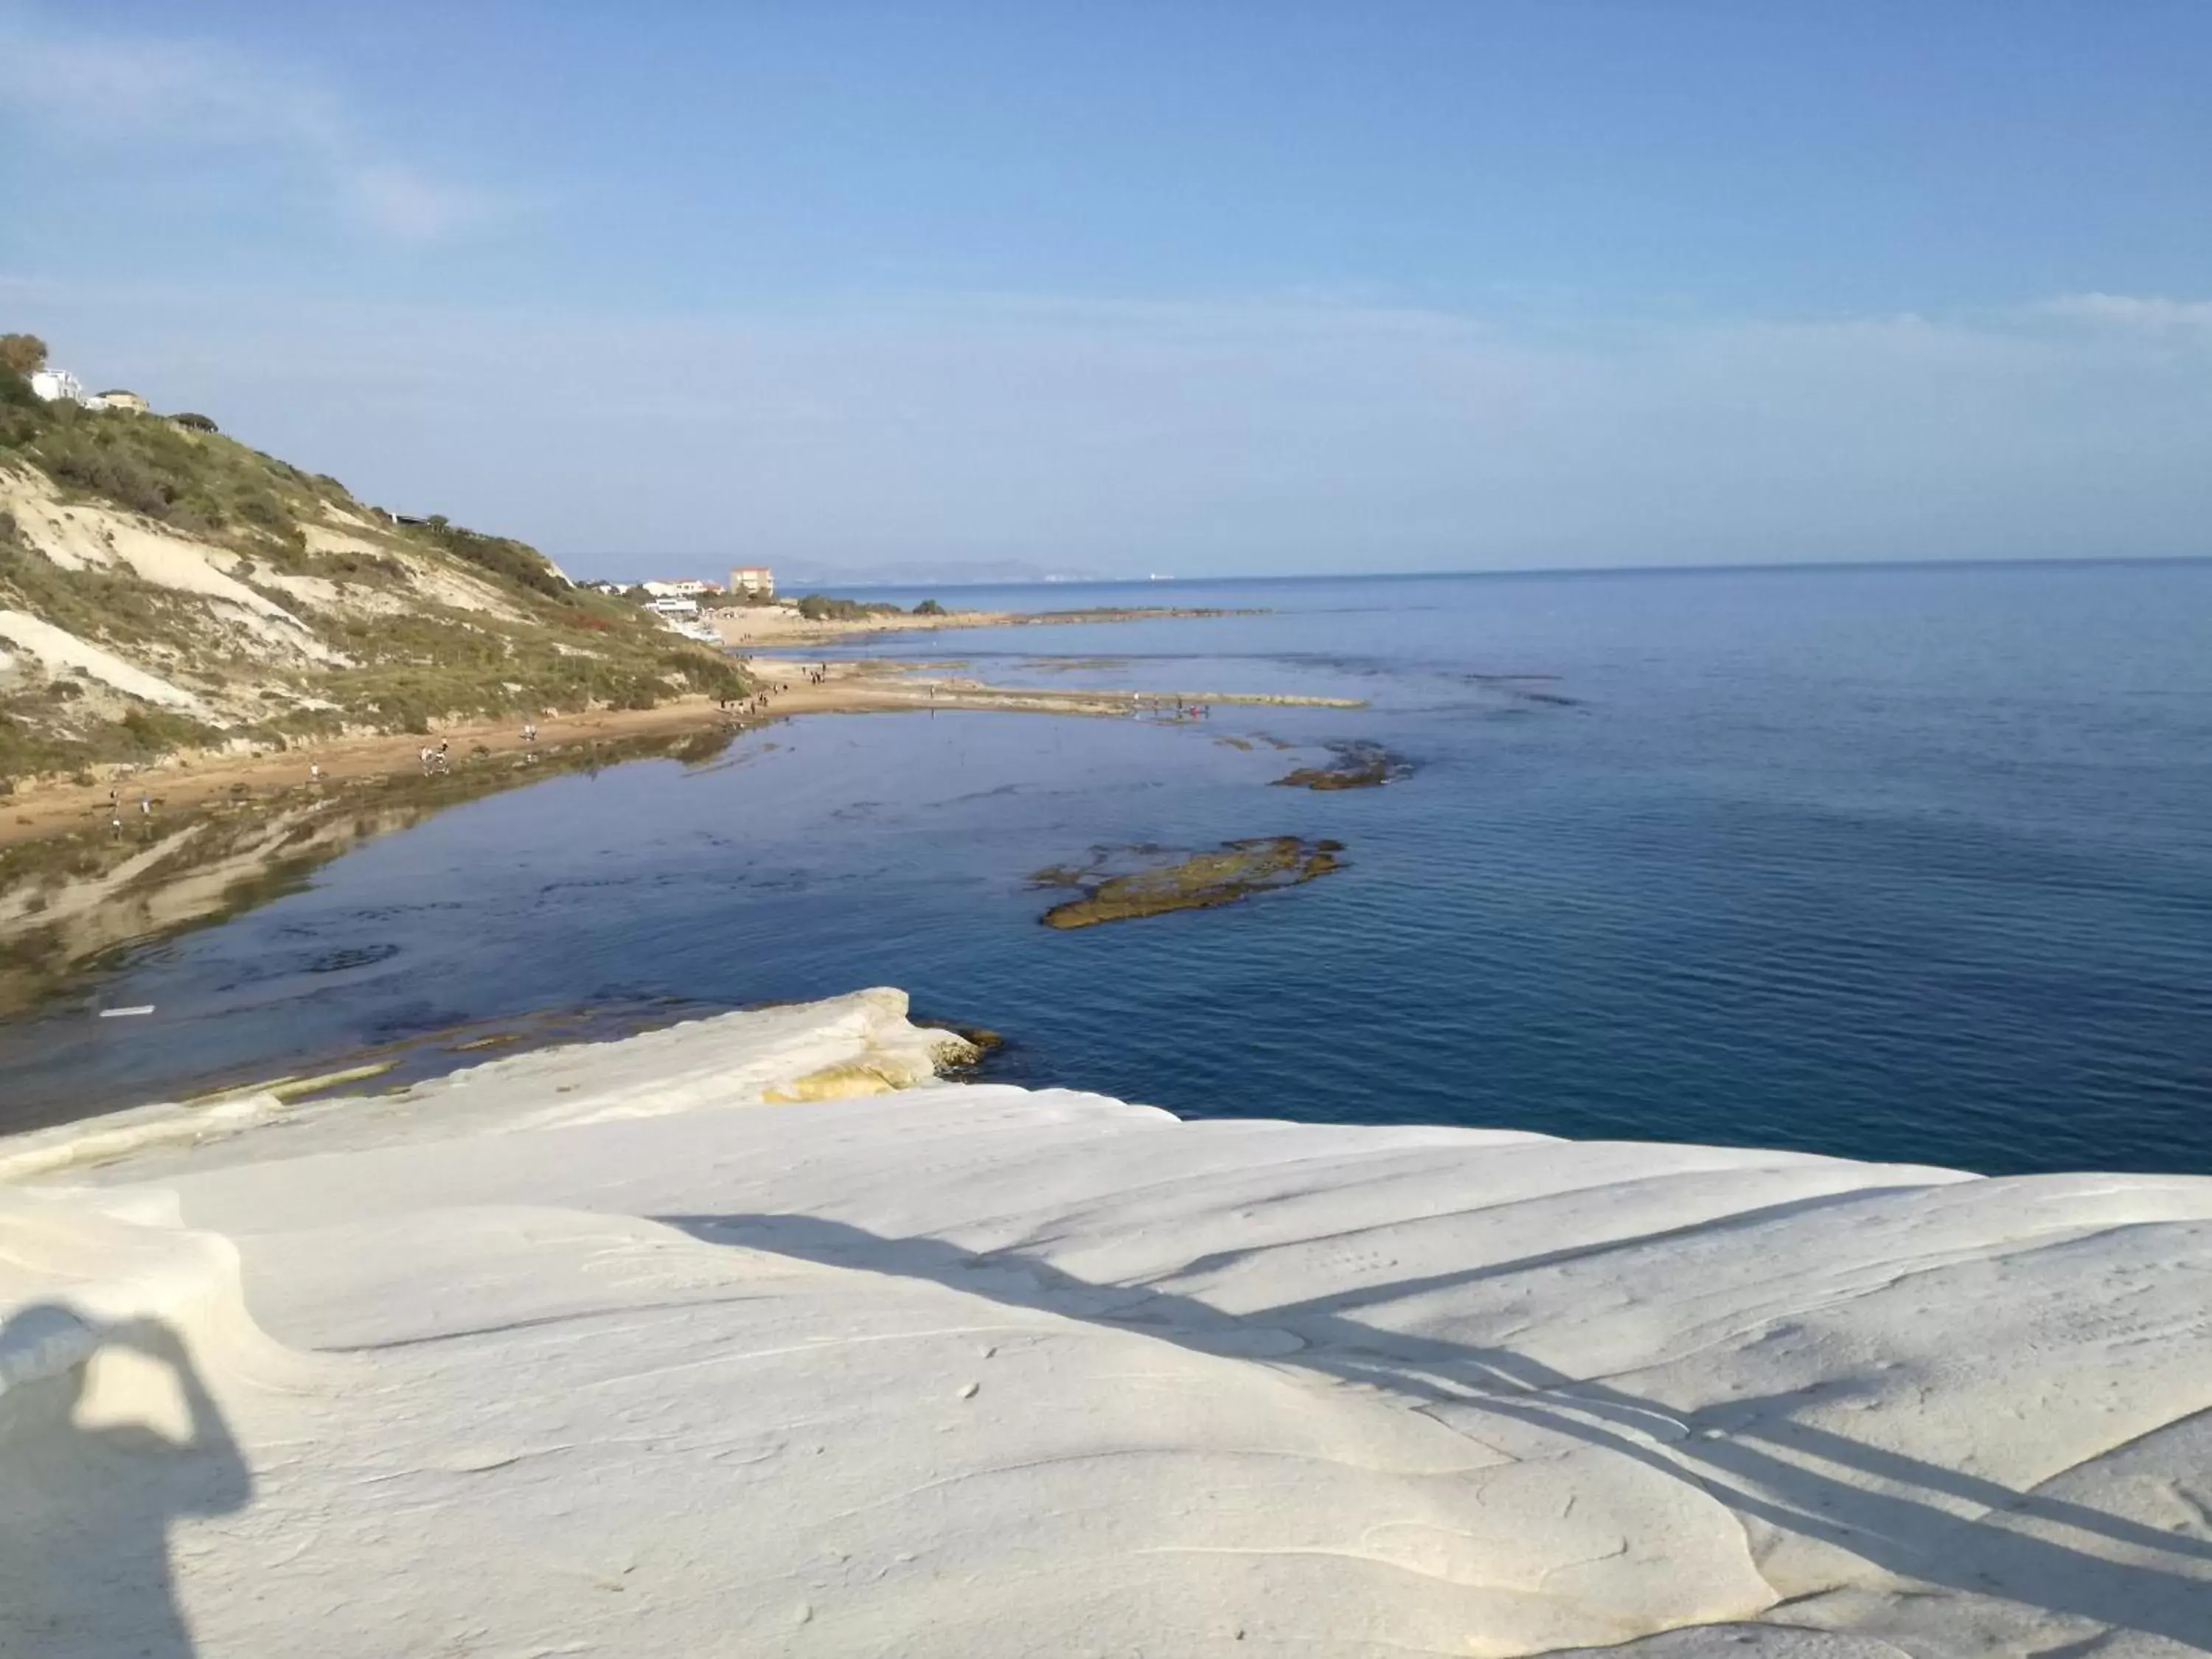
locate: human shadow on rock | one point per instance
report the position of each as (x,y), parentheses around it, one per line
(86,1510)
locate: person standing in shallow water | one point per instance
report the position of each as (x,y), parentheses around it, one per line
(85,1513)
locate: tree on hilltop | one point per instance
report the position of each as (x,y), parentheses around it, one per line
(22,354)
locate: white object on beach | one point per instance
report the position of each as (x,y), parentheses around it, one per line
(126,1013)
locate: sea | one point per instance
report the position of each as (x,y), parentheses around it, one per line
(1893,862)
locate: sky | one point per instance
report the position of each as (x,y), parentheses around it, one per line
(1201,287)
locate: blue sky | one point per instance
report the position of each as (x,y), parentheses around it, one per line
(1207,287)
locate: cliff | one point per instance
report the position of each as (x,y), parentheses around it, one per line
(165,588)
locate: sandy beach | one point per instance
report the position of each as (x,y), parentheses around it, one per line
(747,1336)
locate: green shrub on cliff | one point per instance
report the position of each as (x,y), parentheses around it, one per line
(197,485)
(15,392)
(503,556)
(821,607)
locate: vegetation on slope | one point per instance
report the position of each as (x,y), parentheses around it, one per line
(821,607)
(369,623)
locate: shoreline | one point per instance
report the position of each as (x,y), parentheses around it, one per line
(227,833)
(45,810)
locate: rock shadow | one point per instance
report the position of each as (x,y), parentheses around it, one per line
(1925,1521)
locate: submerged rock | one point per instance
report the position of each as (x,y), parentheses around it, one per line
(1357,765)
(1197,881)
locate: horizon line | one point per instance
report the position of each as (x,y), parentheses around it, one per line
(2009,562)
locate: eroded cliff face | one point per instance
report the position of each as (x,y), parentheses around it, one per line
(164,590)
(601,1347)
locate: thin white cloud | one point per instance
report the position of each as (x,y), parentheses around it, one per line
(2146,312)
(94,88)
(1206,436)
(404,205)
(105,94)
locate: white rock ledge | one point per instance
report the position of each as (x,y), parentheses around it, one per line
(656,1347)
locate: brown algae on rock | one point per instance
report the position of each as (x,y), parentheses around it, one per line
(1356,766)
(1196,881)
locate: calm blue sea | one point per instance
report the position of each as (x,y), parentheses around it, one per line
(1899,863)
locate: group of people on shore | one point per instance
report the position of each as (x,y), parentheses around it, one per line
(115,808)
(438,758)
(756,704)
(1172,711)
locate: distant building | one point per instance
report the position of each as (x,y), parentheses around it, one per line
(687,589)
(756,580)
(58,386)
(671,605)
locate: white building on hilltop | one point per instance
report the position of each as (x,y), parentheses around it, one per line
(58,386)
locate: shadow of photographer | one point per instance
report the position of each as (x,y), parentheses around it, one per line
(87,1505)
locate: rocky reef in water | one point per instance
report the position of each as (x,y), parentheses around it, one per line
(1161,881)
(1355,766)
